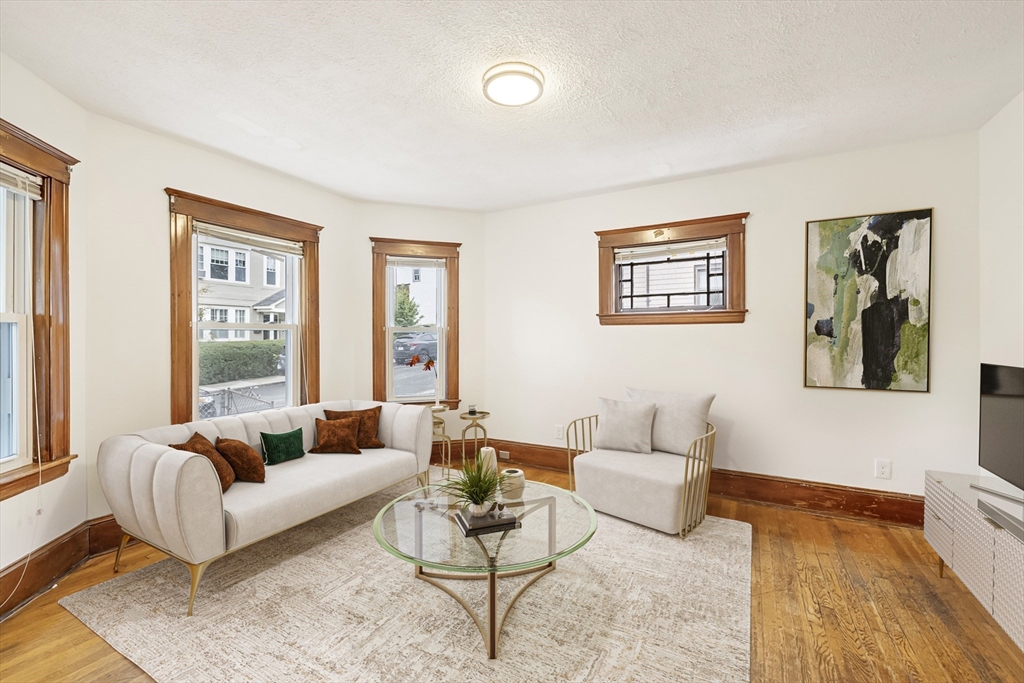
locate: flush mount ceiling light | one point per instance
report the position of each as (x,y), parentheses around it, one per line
(513,84)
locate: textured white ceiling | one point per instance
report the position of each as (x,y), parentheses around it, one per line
(385,100)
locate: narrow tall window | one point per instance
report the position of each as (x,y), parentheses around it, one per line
(415,319)
(18,194)
(35,404)
(255,340)
(241,272)
(271,273)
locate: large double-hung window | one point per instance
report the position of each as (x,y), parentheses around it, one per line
(241,341)
(415,321)
(18,195)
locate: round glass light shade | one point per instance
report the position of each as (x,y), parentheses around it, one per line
(513,84)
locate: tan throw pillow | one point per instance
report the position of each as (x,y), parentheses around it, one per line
(337,436)
(369,421)
(244,460)
(201,445)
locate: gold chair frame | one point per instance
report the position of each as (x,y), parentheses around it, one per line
(579,439)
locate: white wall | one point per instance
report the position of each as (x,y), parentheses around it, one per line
(34,106)
(1001,223)
(548,359)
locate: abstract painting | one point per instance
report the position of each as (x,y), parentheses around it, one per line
(868,290)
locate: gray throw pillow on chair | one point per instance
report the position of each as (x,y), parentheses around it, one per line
(624,425)
(679,419)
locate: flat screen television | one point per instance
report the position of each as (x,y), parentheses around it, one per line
(1001,448)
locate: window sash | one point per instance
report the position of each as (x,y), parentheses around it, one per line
(15,390)
(440,328)
(641,266)
(289,327)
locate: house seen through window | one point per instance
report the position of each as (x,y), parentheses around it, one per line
(247,328)
(416,309)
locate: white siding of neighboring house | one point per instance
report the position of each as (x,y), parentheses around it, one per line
(424,292)
(232,295)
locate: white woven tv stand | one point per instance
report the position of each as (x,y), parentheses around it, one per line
(987,558)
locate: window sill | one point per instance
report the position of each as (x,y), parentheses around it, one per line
(676,318)
(27,478)
(452,403)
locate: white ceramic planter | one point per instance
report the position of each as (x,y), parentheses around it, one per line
(514,483)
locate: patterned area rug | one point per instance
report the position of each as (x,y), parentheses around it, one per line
(324,602)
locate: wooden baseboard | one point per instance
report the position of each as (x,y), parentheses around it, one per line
(55,559)
(45,565)
(829,499)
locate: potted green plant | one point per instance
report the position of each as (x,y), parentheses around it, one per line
(476,488)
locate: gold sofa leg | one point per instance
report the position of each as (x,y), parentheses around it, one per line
(120,549)
(423,478)
(196,570)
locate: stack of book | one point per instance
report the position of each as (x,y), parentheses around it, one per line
(492,522)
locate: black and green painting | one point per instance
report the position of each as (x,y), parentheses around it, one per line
(868,289)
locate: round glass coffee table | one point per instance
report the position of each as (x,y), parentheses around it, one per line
(420,528)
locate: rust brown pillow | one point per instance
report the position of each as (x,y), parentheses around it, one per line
(201,445)
(369,420)
(244,460)
(337,436)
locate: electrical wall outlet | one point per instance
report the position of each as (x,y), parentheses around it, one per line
(559,432)
(883,469)
(503,455)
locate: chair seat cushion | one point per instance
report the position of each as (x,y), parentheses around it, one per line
(298,490)
(645,488)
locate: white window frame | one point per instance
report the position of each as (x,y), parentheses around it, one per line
(289,273)
(233,256)
(441,327)
(17,286)
(240,335)
(267,262)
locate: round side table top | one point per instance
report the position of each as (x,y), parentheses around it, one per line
(438,408)
(480,415)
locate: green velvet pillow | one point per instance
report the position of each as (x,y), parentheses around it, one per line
(280,447)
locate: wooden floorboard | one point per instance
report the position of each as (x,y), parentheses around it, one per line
(831,600)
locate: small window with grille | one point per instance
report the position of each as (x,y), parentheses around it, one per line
(686,272)
(683,276)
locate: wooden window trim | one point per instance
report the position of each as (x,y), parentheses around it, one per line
(382,247)
(732,227)
(186,207)
(51,452)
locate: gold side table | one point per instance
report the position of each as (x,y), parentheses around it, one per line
(474,424)
(440,436)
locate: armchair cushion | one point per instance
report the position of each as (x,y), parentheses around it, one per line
(624,426)
(645,488)
(678,420)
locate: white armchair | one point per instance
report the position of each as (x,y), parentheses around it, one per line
(660,490)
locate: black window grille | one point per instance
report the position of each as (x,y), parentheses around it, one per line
(673,283)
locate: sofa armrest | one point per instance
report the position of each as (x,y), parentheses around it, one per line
(168,498)
(412,430)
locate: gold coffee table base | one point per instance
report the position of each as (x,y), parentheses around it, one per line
(494,625)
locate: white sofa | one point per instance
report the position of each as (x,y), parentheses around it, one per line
(172,499)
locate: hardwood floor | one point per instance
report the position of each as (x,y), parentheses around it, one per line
(832,600)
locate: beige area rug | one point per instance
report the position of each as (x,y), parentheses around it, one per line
(324,602)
